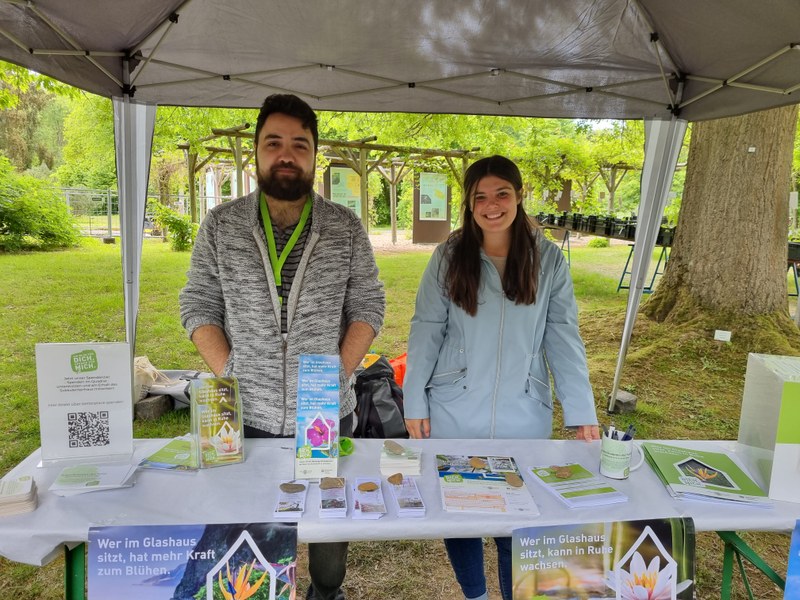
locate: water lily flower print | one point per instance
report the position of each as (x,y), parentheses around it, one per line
(645,582)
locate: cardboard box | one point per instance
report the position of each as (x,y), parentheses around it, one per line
(769,425)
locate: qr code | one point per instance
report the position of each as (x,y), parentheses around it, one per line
(87,429)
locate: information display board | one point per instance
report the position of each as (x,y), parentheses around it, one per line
(346,188)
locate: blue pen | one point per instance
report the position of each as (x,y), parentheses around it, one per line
(629,433)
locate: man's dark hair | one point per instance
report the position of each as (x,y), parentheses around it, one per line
(288,104)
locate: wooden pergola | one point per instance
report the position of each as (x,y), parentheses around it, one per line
(363,156)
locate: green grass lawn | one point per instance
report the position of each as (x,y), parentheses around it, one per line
(688,385)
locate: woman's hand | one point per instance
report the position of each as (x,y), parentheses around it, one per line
(419,429)
(588,433)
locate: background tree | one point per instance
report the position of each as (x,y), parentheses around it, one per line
(617,149)
(88,154)
(729,253)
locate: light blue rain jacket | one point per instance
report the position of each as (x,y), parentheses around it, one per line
(487,376)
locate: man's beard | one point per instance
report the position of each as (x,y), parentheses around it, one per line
(282,187)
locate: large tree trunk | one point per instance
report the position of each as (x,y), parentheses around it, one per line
(729,252)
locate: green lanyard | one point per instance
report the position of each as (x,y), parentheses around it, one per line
(276,261)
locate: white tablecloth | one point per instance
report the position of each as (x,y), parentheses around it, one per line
(247,493)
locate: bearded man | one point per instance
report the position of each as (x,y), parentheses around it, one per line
(280,273)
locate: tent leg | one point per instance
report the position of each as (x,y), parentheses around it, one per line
(738,548)
(75,572)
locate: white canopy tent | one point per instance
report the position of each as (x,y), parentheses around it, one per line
(665,62)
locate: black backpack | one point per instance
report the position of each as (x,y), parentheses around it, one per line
(379,403)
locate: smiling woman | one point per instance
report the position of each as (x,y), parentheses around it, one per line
(495,297)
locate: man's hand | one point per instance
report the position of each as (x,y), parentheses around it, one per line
(419,429)
(588,433)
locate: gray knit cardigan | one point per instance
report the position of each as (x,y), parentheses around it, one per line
(231,285)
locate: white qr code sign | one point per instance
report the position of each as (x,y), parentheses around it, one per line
(85,400)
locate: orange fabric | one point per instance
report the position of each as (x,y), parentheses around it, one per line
(399,365)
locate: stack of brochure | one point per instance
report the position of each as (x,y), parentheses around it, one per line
(332,497)
(396,457)
(179,454)
(291,501)
(17,495)
(368,498)
(79,479)
(484,484)
(407,497)
(692,474)
(576,486)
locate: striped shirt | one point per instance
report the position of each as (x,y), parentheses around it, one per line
(292,261)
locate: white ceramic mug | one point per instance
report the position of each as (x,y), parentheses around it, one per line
(615,457)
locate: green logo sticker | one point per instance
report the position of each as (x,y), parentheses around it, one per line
(83,361)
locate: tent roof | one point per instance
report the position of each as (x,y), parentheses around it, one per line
(548,58)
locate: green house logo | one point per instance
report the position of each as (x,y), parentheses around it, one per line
(83,361)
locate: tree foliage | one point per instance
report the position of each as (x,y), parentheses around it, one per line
(89,144)
(32,213)
(180,229)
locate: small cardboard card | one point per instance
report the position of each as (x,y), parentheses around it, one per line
(161,562)
(368,500)
(217,421)
(85,401)
(653,558)
(17,495)
(332,498)
(291,501)
(317,433)
(407,497)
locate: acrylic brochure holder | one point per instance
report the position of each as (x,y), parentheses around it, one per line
(769,438)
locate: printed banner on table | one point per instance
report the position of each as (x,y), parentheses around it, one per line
(626,560)
(317,433)
(432,197)
(346,188)
(193,562)
(85,400)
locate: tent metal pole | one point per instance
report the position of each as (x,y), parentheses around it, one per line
(663,139)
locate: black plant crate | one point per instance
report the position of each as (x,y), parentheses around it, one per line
(620,225)
(665,235)
(561,220)
(577,221)
(794,251)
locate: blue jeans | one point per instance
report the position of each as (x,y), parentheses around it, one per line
(466,556)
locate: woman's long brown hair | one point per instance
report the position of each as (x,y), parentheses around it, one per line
(463,276)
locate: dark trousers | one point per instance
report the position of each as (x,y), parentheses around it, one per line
(327,563)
